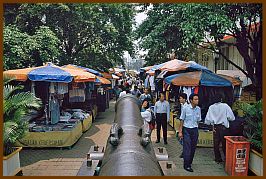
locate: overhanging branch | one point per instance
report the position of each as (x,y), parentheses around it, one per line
(229,61)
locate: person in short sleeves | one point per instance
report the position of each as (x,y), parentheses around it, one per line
(190,117)
(219,114)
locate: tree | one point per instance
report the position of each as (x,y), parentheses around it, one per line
(241,21)
(93,35)
(23,50)
(196,23)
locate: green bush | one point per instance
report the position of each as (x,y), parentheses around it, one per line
(253,123)
(16,106)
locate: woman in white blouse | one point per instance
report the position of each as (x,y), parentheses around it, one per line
(146,112)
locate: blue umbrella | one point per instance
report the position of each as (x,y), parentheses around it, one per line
(50,73)
(204,78)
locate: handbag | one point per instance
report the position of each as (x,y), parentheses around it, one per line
(152,124)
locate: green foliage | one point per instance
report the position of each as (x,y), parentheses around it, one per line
(253,123)
(15,106)
(93,35)
(23,50)
(185,26)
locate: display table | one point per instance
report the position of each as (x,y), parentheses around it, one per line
(52,138)
(86,123)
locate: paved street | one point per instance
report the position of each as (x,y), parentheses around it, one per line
(68,161)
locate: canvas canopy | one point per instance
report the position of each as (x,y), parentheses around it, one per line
(50,73)
(196,78)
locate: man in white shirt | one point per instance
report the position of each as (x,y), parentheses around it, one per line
(190,117)
(219,114)
(162,114)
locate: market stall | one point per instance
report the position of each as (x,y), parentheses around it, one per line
(206,84)
(98,92)
(55,125)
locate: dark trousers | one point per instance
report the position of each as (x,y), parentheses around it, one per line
(190,140)
(161,120)
(218,137)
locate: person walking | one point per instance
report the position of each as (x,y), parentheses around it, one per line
(190,117)
(219,114)
(183,102)
(145,95)
(162,115)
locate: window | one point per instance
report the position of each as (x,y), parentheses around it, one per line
(205,60)
(222,63)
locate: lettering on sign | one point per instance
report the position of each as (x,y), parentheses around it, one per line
(205,141)
(240,160)
(43,142)
(241,153)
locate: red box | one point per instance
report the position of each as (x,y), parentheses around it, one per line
(237,155)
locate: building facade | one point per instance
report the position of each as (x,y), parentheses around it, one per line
(206,57)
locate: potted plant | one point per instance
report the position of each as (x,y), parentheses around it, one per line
(16,106)
(253,131)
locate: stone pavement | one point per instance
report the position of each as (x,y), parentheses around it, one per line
(66,162)
(203,163)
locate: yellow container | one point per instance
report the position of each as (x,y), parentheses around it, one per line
(171,122)
(205,138)
(176,124)
(51,138)
(86,123)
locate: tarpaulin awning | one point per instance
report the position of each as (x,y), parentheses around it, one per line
(178,65)
(233,80)
(50,73)
(95,72)
(19,74)
(103,80)
(196,78)
(99,79)
(236,73)
(107,75)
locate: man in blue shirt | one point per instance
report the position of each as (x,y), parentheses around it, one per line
(162,114)
(190,117)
